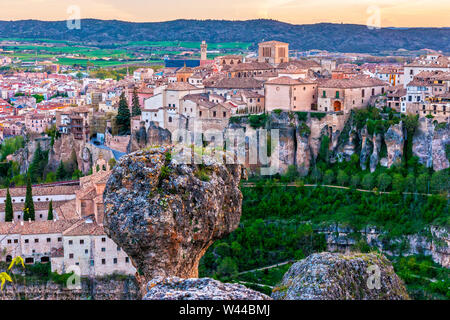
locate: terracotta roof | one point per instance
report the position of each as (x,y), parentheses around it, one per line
(181,86)
(67,210)
(357,82)
(41,191)
(251,66)
(85,227)
(289,81)
(36,227)
(273,42)
(301,64)
(237,83)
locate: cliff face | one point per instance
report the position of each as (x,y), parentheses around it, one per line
(429,144)
(108,289)
(434,242)
(328,276)
(165,214)
(301,136)
(174,288)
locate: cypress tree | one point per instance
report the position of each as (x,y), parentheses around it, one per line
(50,211)
(61,172)
(123,118)
(136,106)
(9,212)
(29,205)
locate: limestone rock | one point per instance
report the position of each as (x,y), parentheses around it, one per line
(335,276)
(441,139)
(175,288)
(165,214)
(154,136)
(394,139)
(366,148)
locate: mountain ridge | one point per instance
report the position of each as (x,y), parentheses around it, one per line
(322,36)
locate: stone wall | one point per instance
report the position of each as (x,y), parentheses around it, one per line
(99,289)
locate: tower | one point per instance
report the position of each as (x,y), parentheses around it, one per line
(203,51)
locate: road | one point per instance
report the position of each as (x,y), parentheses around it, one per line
(293,184)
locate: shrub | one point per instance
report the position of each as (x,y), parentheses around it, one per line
(342,178)
(368,181)
(328,177)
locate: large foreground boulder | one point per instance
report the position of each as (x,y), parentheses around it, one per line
(174,288)
(335,276)
(165,213)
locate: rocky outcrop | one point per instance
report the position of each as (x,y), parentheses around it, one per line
(394,139)
(429,144)
(335,276)
(25,155)
(366,148)
(165,214)
(439,145)
(432,241)
(375,157)
(174,288)
(154,136)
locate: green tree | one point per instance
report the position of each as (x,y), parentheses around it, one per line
(398,182)
(123,118)
(440,181)
(355,181)
(384,181)
(342,178)
(61,172)
(9,212)
(410,183)
(37,164)
(324,149)
(422,183)
(50,211)
(227,269)
(29,204)
(368,182)
(328,177)
(136,108)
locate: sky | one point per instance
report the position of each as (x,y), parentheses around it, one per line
(383,13)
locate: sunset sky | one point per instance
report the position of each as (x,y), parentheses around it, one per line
(397,13)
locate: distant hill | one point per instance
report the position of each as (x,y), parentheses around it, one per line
(325,36)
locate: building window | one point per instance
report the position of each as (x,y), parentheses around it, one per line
(49,240)
(81,241)
(70,255)
(26,240)
(103,261)
(70,242)
(86,251)
(103,249)
(59,239)
(127,260)
(9,241)
(36,240)
(214,114)
(115,260)
(224,114)
(16,240)
(363,93)
(103,239)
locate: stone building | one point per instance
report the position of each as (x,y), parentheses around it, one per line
(338,95)
(288,94)
(273,52)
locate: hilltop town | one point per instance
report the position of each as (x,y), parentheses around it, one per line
(70,129)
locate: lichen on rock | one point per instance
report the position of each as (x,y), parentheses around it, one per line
(175,288)
(165,214)
(336,276)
